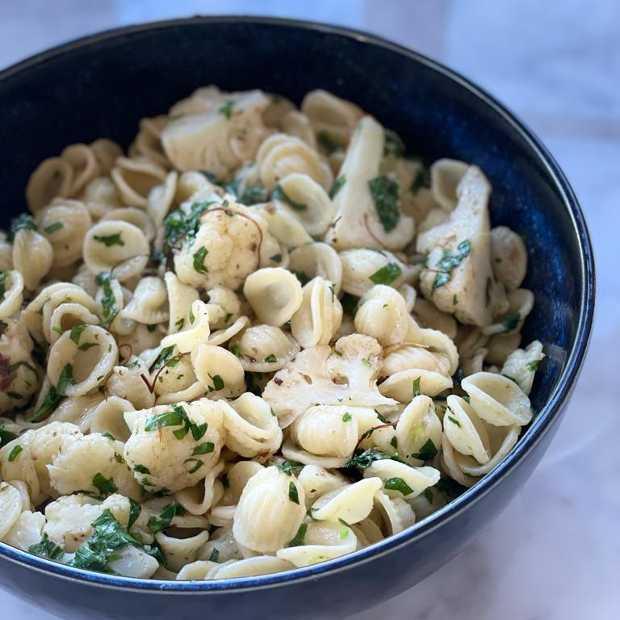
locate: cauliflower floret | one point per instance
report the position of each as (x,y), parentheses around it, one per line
(458,278)
(93,464)
(320,376)
(225,250)
(521,365)
(70,518)
(32,452)
(19,376)
(174,446)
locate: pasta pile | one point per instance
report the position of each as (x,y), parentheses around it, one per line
(263,338)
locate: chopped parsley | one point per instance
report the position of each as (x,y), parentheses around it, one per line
(281,195)
(226,109)
(141,469)
(454,420)
(393,144)
(162,358)
(177,416)
(199,260)
(293,494)
(110,240)
(23,222)
(46,549)
(300,536)
(398,484)
(218,382)
(363,460)
(384,193)
(165,517)
(76,332)
(52,228)
(271,359)
(337,186)
(15,452)
(533,366)
(449,262)
(108,537)
(235,349)
(204,448)
(427,452)
(178,325)
(387,274)
(54,395)
(104,485)
(182,224)
(511,321)
(347,417)
(134,512)
(6,436)
(109,309)
(415,387)
(290,467)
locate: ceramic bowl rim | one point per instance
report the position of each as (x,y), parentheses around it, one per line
(546,418)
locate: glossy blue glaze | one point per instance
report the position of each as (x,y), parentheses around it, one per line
(102,85)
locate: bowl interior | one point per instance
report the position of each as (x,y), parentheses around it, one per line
(103,86)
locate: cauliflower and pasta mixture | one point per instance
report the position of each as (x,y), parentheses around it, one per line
(263,337)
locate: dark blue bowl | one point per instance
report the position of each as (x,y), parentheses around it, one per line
(102,85)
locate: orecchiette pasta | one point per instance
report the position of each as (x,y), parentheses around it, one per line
(262,338)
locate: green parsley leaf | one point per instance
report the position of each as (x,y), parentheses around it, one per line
(6,436)
(162,358)
(533,366)
(15,452)
(449,262)
(347,417)
(204,448)
(387,274)
(23,222)
(104,485)
(54,395)
(298,540)
(398,484)
(427,452)
(227,109)
(46,549)
(293,494)
(199,260)
(337,186)
(134,512)
(282,196)
(415,388)
(218,382)
(384,193)
(175,417)
(141,469)
(290,467)
(271,359)
(165,517)
(109,309)
(76,332)
(110,240)
(454,420)
(52,228)
(363,460)
(178,325)
(182,224)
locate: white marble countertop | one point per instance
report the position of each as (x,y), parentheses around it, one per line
(554,554)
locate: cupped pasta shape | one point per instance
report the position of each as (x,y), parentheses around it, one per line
(270,510)
(427,315)
(418,430)
(65,224)
(193,332)
(250,567)
(161,198)
(93,464)
(84,361)
(251,428)
(11,507)
(135,178)
(197,500)
(318,318)
(446,174)
(107,152)
(66,317)
(351,503)
(331,116)
(404,384)
(149,304)
(317,259)
(100,196)
(33,256)
(466,431)
(107,418)
(318,481)
(180,300)
(382,314)
(130,561)
(275,295)
(326,430)
(500,346)
(283,225)
(218,370)
(52,178)
(322,541)
(84,163)
(362,269)
(498,400)
(147,143)
(173,447)
(402,480)
(180,551)
(135,216)
(520,304)
(521,365)
(296,124)
(307,200)
(224,307)
(395,513)
(39,447)
(11,289)
(118,247)
(508,257)
(409,356)
(281,155)
(263,348)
